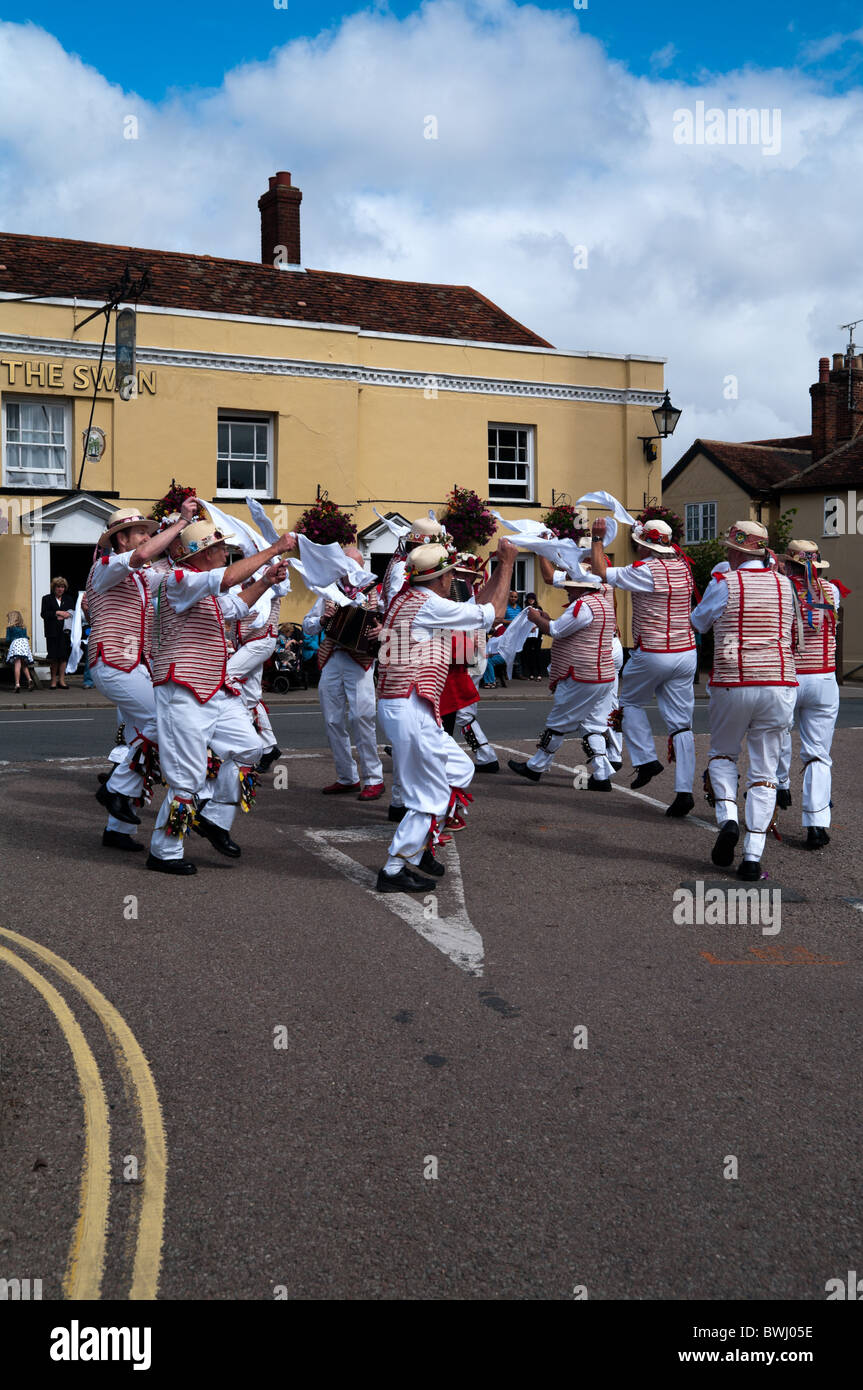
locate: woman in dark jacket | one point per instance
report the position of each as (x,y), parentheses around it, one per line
(57,639)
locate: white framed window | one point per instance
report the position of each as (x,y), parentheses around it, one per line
(700,522)
(522,576)
(245,455)
(510,463)
(37,442)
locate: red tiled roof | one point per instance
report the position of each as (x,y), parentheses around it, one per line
(841,468)
(50,266)
(756,467)
(797,441)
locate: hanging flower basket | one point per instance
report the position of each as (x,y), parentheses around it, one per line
(172,501)
(567,522)
(467,518)
(664,514)
(325,522)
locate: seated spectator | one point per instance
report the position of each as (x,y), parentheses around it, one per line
(513,609)
(19,654)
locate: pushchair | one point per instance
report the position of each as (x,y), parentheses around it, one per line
(283,671)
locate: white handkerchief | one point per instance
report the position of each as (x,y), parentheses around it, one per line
(77,629)
(396,527)
(327,564)
(262,521)
(605,499)
(524,527)
(330,591)
(510,643)
(249,541)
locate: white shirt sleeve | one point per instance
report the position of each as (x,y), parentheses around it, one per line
(637,579)
(837,597)
(570,621)
(712,606)
(394,582)
(232,605)
(192,586)
(312,620)
(106,577)
(457,617)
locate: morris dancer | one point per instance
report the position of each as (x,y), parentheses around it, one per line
(347,694)
(581,678)
(817,702)
(665,658)
(254,644)
(431,769)
(752,689)
(196,710)
(119,608)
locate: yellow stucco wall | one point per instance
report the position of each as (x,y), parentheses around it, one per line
(402,447)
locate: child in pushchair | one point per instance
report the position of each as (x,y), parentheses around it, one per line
(284,669)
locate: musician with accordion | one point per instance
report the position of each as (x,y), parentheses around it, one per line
(346,660)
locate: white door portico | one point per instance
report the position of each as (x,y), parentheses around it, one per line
(75,520)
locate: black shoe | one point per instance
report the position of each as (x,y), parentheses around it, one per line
(388,750)
(616,766)
(219,838)
(170,866)
(749,869)
(645,774)
(488,767)
(598,784)
(397,812)
(783,798)
(268,759)
(682,804)
(523,770)
(722,853)
(117,805)
(816,837)
(405,881)
(429,865)
(113,839)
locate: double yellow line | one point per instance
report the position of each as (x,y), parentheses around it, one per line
(86,1262)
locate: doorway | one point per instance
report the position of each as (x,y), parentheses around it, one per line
(74,563)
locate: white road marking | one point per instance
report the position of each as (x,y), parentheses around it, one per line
(651,800)
(284,757)
(453,934)
(84,719)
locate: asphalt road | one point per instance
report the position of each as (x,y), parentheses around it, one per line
(318,1053)
(32,734)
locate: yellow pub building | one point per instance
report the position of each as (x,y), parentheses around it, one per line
(286,383)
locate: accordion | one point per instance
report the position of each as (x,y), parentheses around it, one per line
(349,628)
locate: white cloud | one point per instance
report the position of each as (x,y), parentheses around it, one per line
(663,57)
(721,258)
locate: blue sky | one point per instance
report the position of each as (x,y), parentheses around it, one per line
(555,181)
(153,48)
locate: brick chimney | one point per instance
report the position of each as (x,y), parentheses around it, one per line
(280,222)
(832,421)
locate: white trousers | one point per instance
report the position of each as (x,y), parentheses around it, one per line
(186,729)
(761,714)
(669,676)
(246,667)
(471,729)
(579,707)
(615,737)
(816,708)
(132,693)
(427,764)
(347,695)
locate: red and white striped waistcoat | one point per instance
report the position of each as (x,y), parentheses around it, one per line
(247,633)
(118,621)
(752,638)
(819,641)
(586,655)
(189,648)
(405,665)
(660,621)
